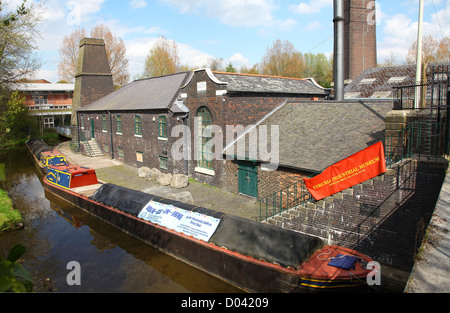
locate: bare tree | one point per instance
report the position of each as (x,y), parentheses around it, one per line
(163,58)
(282,59)
(433,50)
(115,50)
(68,53)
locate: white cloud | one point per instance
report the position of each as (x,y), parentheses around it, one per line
(248,13)
(138,49)
(313,26)
(400,31)
(314,6)
(137,4)
(239,60)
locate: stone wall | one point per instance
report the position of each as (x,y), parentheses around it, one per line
(384,217)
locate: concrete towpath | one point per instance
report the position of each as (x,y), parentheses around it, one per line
(116,172)
(431,272)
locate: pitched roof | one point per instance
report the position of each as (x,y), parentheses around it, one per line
(238,82)
(315,135)
(378,82)
(144,94)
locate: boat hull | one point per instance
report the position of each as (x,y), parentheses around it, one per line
(246,273)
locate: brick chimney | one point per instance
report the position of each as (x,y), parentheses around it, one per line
(360,40)
(93,78)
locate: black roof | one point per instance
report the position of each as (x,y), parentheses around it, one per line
(144,94)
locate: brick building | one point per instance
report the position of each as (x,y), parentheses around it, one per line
(133,124)
(50,103)
(229,99)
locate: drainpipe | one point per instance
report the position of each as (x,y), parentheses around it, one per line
(185,119)
(338,49)
(111,135)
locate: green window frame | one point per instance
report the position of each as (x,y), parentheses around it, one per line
(204,150)
(104,123)
(163,163)
(137,125)
(162,126)
(121,152)
(119,124)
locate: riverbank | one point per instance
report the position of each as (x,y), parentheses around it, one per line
(10,219)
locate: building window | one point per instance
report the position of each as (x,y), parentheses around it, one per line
(139,157)
(137,125)
(104,123)
(121,152)
(162,127)
(163,163)
(39,99)
(204,150)
(119,124)
(82,121)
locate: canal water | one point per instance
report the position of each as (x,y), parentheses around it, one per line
(110,261)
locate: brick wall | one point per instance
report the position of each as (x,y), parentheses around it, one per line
(384,217)
(360,45)
(226,109)
(149,143)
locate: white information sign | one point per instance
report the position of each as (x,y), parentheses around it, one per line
(197,225)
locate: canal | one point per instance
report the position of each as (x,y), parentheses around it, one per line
(56,233)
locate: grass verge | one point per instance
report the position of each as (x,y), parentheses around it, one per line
(9,217)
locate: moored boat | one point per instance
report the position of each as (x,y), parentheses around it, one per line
(253,256)
(44,155)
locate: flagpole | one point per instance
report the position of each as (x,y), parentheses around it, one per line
(419,56)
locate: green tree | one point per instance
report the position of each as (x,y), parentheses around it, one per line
(282,59)
(319,67)
(230,68)
(15,120)
(18,33)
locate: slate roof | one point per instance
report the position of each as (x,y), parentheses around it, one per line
(268,84)
(378,82)
(144,94)
(315,135)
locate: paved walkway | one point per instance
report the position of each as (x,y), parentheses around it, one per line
(431,273)
(116,172)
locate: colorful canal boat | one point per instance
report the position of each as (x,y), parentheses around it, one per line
(44,155)
(255,257)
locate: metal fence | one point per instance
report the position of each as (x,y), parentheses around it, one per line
(413,141)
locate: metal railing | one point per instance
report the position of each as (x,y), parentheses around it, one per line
(415,140)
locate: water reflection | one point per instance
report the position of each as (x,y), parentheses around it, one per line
(56,233)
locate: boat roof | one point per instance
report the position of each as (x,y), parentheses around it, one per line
(73,169)
(52,153)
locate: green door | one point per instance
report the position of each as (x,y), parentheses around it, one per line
(92,128)
(248,178)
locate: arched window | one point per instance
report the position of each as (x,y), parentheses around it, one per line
(204,150)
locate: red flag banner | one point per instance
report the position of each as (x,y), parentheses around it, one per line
(349,172)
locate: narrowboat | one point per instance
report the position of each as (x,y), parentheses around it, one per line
(255,257)
(44,155)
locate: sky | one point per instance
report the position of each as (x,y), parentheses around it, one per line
(238,31)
